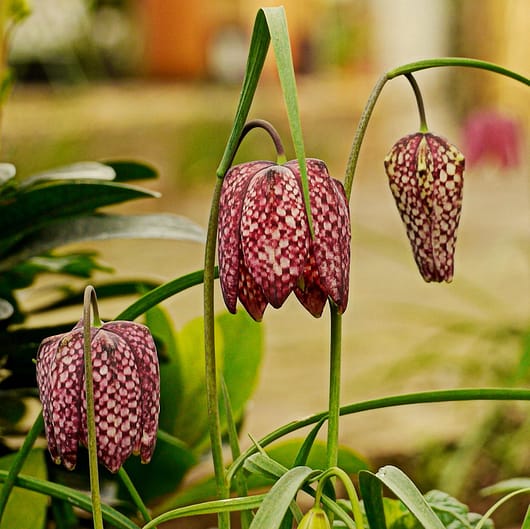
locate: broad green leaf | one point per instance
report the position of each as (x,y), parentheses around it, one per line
(242,354)
(161,328)
(26,509)
(163,474)
(191,420)
(127,170)
(105,227)
(278,499)
(33,208)
(76,171)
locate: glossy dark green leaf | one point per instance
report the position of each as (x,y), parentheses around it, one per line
(128,170)
(17,513)
(104,227)
(33,208)
(76,171)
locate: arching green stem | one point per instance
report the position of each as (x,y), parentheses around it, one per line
(423,397)
(90,300)
(351,166)
(419,101)
(405,70)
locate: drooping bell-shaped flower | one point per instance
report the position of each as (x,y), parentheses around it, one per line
(315,518)
(126,392)
(265,247)
(426,176)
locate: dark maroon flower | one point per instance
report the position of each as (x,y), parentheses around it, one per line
(126,392)
(265,247)
(426,176)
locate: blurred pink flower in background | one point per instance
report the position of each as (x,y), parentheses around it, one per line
(490,136)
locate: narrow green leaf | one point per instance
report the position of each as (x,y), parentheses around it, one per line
(209,507)
(163,292)
(278,499)
(372,495)
(401,485)
(105,227)
(508,485)
(127,170)
(279,34)
(257,52)
(76,171)
(72,496)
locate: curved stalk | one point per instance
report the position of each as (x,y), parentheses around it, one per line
(419,101)
(456,61)
(360,132)
(91,300)
(422,397)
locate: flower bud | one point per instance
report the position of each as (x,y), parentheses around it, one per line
(126,392)
(426,176)
(315,518)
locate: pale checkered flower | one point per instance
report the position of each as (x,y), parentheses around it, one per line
(426,175)
(126,392)
(265,247)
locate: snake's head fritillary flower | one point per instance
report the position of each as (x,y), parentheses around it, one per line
(126,392)
(265,247)
(426,175)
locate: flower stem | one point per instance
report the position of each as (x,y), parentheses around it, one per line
(419,101)
(359,134)
(18,463)
(214,422)
(91,300)
(334,387)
